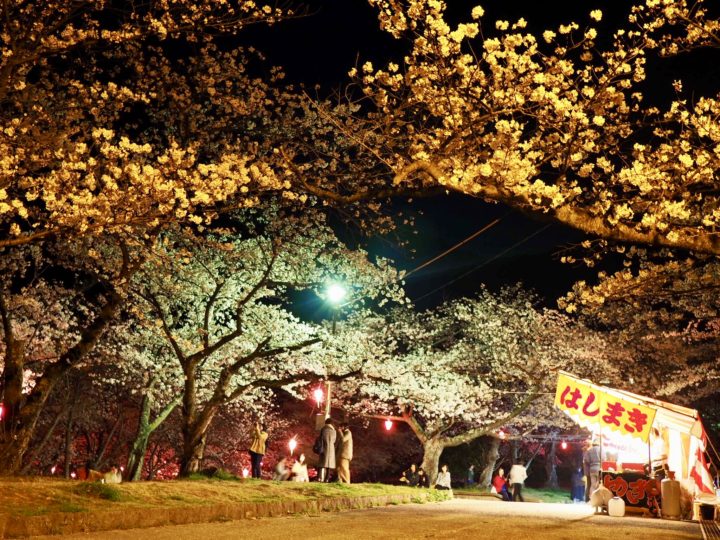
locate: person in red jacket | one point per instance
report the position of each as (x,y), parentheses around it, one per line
(500,484)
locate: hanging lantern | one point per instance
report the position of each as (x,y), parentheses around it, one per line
(318,395)
(292,445)
(501,434)
(388,424)
(564,445)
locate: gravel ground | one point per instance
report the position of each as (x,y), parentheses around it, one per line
(453,519)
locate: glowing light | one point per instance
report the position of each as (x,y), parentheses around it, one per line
(501,434)
(388,424)
(122,469)
(245,472)
(292,445)
(318,395)
(73,475)
(564,445)
(53,469)
(2,410)
(335,293)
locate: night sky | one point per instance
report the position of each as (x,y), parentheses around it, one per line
(320,48)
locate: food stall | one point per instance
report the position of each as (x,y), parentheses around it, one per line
(641,441)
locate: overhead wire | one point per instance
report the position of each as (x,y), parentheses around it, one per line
(484,263)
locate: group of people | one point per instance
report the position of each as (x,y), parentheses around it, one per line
(298,472)
(334,446)
(510,488)
(415,477)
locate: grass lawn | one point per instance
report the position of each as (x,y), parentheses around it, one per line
(38,496)
(529,494)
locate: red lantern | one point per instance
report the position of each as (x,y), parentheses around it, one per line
(564,445)
(388,424)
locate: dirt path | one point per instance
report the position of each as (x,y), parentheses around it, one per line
(454,519)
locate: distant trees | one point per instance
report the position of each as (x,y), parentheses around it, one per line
(473,366)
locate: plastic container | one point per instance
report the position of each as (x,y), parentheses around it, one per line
(670,493)
(616,507)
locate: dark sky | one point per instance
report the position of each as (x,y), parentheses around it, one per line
(338,34)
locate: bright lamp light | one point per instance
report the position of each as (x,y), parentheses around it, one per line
(336,293)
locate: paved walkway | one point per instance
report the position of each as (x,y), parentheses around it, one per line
(462,519)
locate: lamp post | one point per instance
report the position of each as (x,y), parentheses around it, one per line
(335,294)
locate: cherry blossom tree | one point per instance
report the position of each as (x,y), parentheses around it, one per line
(548,124)
(472,366)
(219,301)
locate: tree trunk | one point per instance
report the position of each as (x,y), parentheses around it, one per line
(193,451)
(551,467)
(490,458)
(136,459)
(38,448)
(23,411)
(432,450)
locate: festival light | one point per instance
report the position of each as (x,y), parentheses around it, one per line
(564,445)
(53,469)
(318,395)
(388,424)
(292,444)
(73,475)
(336,293)
(2,410)
(501,434)
(245,472)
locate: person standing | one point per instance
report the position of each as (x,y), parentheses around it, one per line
(591,466)
(471,476)
(346,454)
(327,457)
(578,486)
(257,449)
(517,476)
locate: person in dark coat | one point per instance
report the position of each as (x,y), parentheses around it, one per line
(411,476)
(327,458)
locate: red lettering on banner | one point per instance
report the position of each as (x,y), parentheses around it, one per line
(617,485)
(572,402)
(637,491)
(586,408)
(614,411)
(638,419)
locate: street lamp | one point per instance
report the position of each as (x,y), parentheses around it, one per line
(335,294)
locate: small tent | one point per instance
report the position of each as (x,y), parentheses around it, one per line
(637,424)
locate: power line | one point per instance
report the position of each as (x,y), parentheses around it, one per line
(453,248)
(484,263)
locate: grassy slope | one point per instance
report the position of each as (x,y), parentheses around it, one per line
(41,496)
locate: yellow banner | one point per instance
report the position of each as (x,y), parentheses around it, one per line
(590,404)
